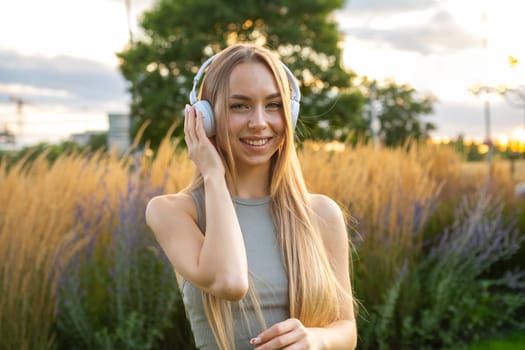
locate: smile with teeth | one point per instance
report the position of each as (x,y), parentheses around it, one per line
(256,142)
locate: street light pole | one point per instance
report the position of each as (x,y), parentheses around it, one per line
(127,3)
(485,90)
(488,138)
(374,120)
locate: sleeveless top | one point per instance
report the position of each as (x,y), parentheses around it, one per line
(267,274)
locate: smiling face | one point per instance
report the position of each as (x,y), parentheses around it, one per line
(256,115)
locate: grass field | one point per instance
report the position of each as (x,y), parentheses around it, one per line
(78,204)
(512,342)
(503,166)
(516,173)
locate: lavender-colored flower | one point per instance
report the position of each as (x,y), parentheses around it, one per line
(118,268)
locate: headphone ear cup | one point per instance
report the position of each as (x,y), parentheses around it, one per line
(294,109)
(208,118)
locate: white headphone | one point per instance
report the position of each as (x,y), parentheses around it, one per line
(207,111)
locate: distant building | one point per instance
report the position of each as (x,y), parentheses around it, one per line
(118,134)
(7,136)
(83,138)
(7,140)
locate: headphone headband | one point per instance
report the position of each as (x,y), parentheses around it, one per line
(197,78)
(207,110)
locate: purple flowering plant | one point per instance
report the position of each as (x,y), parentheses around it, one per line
(119,290)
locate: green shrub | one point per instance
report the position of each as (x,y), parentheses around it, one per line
(119,292)
(449,297)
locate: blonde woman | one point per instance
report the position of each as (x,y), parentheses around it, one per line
(261,262)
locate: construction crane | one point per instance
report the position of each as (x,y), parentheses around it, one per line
(6,136)
(20,103)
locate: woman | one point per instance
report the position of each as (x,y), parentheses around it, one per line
(261,263)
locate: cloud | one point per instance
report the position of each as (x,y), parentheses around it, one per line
(382,7)
(136,10)
(28,90)
(441,34)
(137,3)
(61,79)
(454,118)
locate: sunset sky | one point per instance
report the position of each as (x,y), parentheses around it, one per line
(57,57)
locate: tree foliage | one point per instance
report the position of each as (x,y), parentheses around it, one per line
(399,112)
(180,34)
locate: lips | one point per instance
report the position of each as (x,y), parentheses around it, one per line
(256,142)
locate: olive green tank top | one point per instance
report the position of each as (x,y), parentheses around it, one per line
(267,274)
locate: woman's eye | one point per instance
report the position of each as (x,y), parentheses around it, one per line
(274,105)
(238,106)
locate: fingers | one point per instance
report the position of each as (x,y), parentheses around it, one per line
(200,148)
(193,124)
(189,124)
(199,127)
(280,335)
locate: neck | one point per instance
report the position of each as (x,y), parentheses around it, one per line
(253,182)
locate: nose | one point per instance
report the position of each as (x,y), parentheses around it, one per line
(258,119)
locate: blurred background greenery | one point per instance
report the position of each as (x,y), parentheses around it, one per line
(438,251)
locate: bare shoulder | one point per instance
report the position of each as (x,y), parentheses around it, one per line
(169,201)
(326,208)
(161,208)
(330,219)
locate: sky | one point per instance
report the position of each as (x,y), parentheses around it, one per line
(59,75)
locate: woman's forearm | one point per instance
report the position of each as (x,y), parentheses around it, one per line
(223,254)
(340,335)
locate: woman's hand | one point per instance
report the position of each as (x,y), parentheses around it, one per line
(200,149)
(290,335)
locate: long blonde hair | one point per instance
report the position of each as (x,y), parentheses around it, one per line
(316,297)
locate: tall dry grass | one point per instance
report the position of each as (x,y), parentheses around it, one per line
(38,203)
(502,178)
(389,192)
(365,179)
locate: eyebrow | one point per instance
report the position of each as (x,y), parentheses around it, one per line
(245,98)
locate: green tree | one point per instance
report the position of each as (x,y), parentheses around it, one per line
(180,34)
(400,110)
(459,145)
(345,122)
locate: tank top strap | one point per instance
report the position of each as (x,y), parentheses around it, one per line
(198,197)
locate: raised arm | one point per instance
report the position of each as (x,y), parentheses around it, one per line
(215,260)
